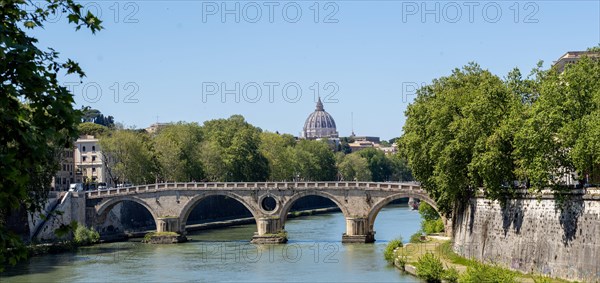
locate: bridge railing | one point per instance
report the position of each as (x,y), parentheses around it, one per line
(254,185)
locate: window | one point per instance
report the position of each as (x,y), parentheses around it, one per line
(64,167)
(93,169)
(83,148)
(93,158)
(84,158)
(93,148)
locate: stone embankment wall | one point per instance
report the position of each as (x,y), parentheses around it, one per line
(62,209)
(558,237)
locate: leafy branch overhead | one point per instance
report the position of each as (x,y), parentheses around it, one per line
(37,119)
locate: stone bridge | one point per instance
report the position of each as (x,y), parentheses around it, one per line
(269,202)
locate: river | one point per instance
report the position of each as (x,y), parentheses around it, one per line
(314,253)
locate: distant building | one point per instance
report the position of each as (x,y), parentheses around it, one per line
(319,124)
(66,171)
(572,57)
(89,164)
(393,149)
(365,138)
(152,129)
(358,145)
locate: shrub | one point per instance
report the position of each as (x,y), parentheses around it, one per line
(450,275)
(430,268)
(388,253)
(416,237)
(480,272)
(85,236)
(432,226)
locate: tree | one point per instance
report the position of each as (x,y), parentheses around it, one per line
(559,134)
(37,118)
(399,168)
(314,160)
(128,156)
(178,151)
(379,165)
(275,148)
(457,135)
(353,167)
(93,129)
(238,143)
(95,116)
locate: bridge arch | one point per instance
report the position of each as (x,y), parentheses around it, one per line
(287,206)
(105,207)
(194,201)
(382,203)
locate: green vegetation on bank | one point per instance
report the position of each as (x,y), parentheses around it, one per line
(472,130)
(432,222)
(388,253)
(435,260)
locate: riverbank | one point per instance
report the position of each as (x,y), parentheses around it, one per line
(406,259)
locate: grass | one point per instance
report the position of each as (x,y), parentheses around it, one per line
(411,253)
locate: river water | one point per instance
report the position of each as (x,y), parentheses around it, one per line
(314,253)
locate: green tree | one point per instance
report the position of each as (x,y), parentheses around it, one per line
(90,115)
(128,157)
(353,167)
(238,142)
(457,138)
(178,152)
(559,134)
(93,129)
(399,168)
(275,148)
(379,165)
(313,160)
(37,119)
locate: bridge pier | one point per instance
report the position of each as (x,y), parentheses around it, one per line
(270,231)
(168,224)
(357,231)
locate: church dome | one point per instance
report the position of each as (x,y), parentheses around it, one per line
(319,124)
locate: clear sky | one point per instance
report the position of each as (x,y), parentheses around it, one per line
(171,60)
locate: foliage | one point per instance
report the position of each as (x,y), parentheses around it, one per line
(234,144)
(480,272)
(37,119)
(379,165)
(430,268)
(93,129)
(428,212)
(432,226)
(560,132)
(451,275)
(85,236)
(354,167)
(457,135)
(128,156)
(313,160)
(416,237)
(178,149)
(94,116)
(276,148)
(388,253)
(400,170)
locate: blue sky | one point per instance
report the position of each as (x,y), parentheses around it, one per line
(166,57)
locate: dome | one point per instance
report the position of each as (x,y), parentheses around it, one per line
(319,124)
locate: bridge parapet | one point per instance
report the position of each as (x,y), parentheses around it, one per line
(253,186)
